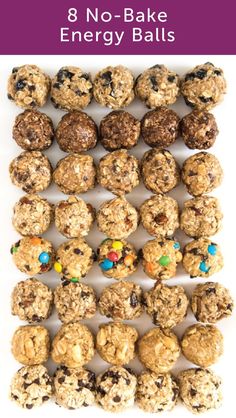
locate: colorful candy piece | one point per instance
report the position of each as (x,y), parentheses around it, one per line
(106,264)
(44,257)
(113,256)
(74,279)
(176,246)
(164,260)
(212,249)
(203,267)
(35,241)
(14,249)
(57,267)
(117,245)
(128,260)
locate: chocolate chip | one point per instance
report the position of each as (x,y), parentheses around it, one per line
(15,69)
(175,393)
(171,78)
(45,398)
(217,72)
(189,76)
(36,381)
(26,385)
(210,290)
(159,382)
(31,88)
(201,74)
(27,267)
(133,300)
(205,99)
(154,83)
(193,392)
(20,85)
(157,66)
(67,372)
(78,251)
(61,379)
(85,404)
(85,76)
(63,74)
(112,375)
(101,391)
(194,251)
(116,398)
(9,97)
(29,406)
(56,85)
(188,103)
(230,306)
(107,77)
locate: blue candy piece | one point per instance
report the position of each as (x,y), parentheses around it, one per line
(176,246)
(203,267)
(212,249)
(44,258)
(106,264)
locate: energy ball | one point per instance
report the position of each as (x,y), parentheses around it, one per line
(74,301)
(115,343)
(74,388)
(31,344)
(28,86)
(113,87)
(160,127)
(117,259)
(33,130)
(156,392)
(202,258)
(199,129)
(201,173)
(31,171)
(72,89)
(31,301)
(203,87)
(76,132)
(160,171)
(73,345)
(160,215)
(157,86)
(75,174)
(118,172)
(159,350)
(117,218)
(33,255)
(31,386)
(201,217)
(160,257)
(74,258)
(116,389)
(211,302)
(74,217)
(119,129)
(32,215)
(121,301)
(166,305)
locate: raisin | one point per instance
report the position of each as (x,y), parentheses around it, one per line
(189,76)
(188,103)
(84,295)
(9,97)
(157,66)
(230,306)
(116,398)
(154,83)
(20,85)
(161,219)
(61,380)
(45,398)
(15,69)
(56,85)
(63,74)
(133,300)
(210,290)
(101,391)
(85,76)
(78,251)
(193,392)
(32,88)
(29,406)
(171,78)
(79,93)
(217,72)
(205,99)
(107,77)
(159,382)
(201,74)
(194,251)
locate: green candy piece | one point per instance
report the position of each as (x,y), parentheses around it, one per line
(74,279)
(14,250)
(164,260)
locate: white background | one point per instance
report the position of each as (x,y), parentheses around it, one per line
(224,149)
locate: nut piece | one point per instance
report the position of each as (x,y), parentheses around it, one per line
(119,129)
(31,344)
(199,129)
(202,258)
(160,127)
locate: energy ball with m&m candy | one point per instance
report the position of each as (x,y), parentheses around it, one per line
(199,129)
(202,258)
(160,127)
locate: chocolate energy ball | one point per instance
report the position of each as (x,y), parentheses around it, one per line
(75,174)
(199,129)
(33,255)
(160,171)
(76,132)
(203,87)
(121,301)
(31,344)
(202,258)
(72,89)
(201,217)
(211,302)
(31,171)
(33,130)
(160,127)
(201,173)
(74,301)
(113,87)
(31,301)
(119,129)
(117,218)
(28,86)
(160,215)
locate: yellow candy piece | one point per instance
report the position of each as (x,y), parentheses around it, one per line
(117,245)
(57,267)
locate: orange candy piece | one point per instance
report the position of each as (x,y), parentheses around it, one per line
(35,241)
(149,267)
(128,260)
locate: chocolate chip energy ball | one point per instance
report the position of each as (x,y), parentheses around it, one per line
(202,258)
(31,171)
(74,217)
(160,215)
(33,255)
(159,350)
(203,87)
(28,86)
(117,218)
(31,386)
(211,302)
(157,86)
(160,171)
(201,173)
(74,388)
(113,87)
(156,392)
(33,130)
(121,301)
(116,389)
(200,390)
(75,174)
(31,344)
(31,301)
(73,345)
(160,127)
(74,301)
(119,129)
(118,172)
(76,132)
(72,89)
(199,129)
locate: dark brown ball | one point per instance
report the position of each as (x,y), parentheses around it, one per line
(160,127)
(199,129)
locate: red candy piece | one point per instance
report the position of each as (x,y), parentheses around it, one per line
(112,256)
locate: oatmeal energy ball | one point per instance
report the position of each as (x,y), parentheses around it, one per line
(157,86)
(31,344)
(113,87)
(28,86)
(72,89)
(31,386)
(116,389)
(31,300)
(199,129)
(203,87)
(160,127)
(202,258)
